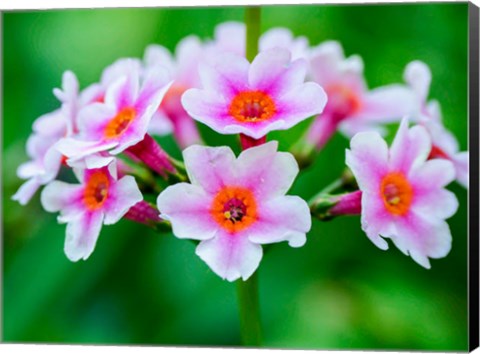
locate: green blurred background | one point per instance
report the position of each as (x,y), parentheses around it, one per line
(140,287)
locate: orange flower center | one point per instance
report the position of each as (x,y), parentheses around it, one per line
(252,106)
(397,193)
(234,208)
(96,191)
(342,101)
(120,123)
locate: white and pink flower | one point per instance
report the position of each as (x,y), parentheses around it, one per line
(99,199)
(254,99)
(233,206)
(42,168)
(121,67)
(282,37)
(403,194)
(171,116)
(351,107)
(121,121)
(48,129)
(444,144)
(230,37)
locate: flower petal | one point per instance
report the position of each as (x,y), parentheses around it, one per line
(121,67)
(160,124)
(123,91)
(230,256)
(187,52)
(63,197)
(265,171)
(93,119)
(423,238)
(350,127)
(230,36)
(186,131)
(227,75)
(26,191)
(158,55)
(156,84)
(300,103)
(69,91)
(90,94)
(375,219)
(53,124)
(368,160)
(386,104)
(418,76)
(77,149)
(210,167)
(434,111)
(441,137)
(433,174)
(284,218)
(82,235)
(324,61)
(51,164)
(122,195)
(38,145)
(272,72)
(410,148)
(329,67)
(275,37)
(283,38)
(208,108)
(29,169)
(94,161)
(440,204)
(430,199)
(187,207)
(461,163)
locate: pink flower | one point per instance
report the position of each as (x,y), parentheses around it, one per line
(444,144)
(121,67)
(403,194)
(282,37)
(254,99)
(48,130)
(351,107)
(51,127)
(106,129)
(100,199)
(184,67)
(234,205)
(230,37)
(42,168)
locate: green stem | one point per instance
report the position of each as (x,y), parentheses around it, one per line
(252,21)
(328,189)
(247,291)
(250,326)
(346,180)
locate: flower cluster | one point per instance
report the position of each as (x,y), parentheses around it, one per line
(105,133)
